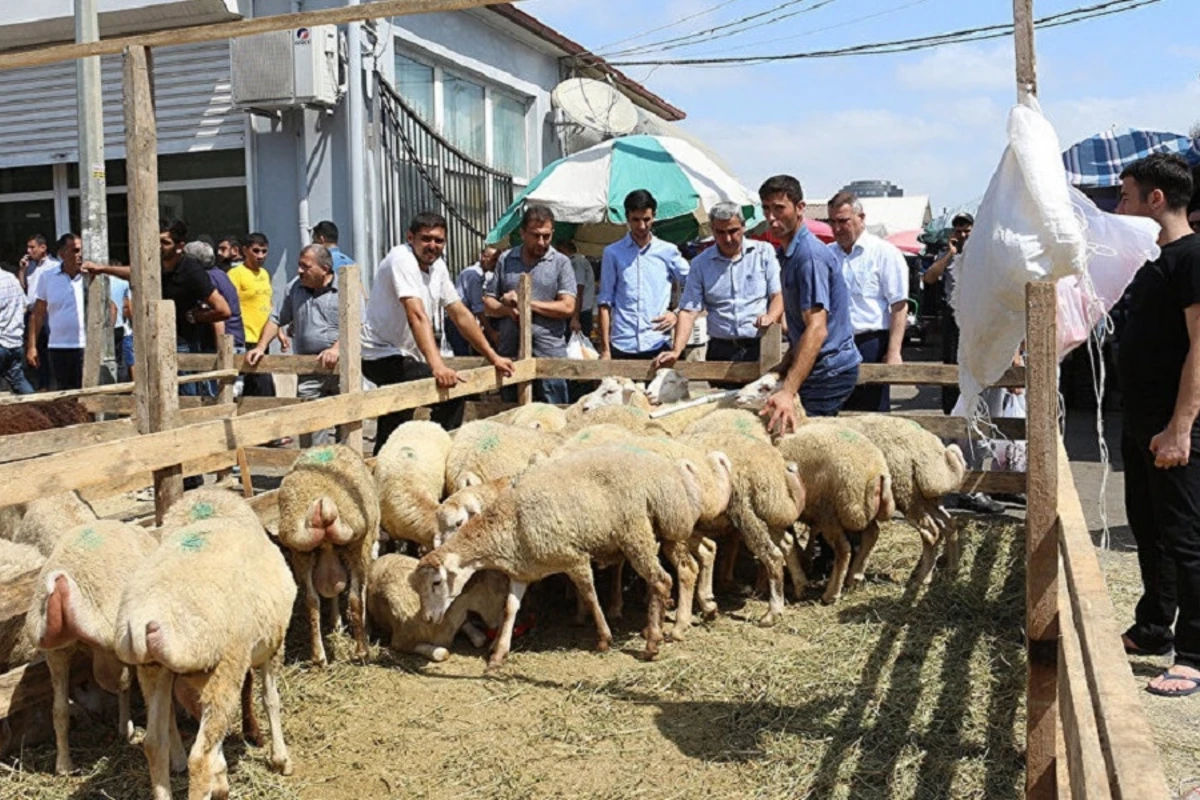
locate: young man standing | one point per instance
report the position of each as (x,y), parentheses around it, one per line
(636,274)
(1159,364)
(325,233)
(12,334)
(38,261)
(552,302)
(942,269)
(411,283)
(229,252)
(253,284)
(60,301)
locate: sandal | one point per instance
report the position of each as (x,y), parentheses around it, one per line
(1171,676)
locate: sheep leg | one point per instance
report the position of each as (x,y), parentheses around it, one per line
(642,554)
(512,605)
(616,602)
(791,557)
(303,563)
(686,568)
(124,720)
(757,537)
(858,564)
(478,638)
(175,742)
(280,758)
(251,732)
(836,537)
(928,530)
(59,662)
(948,528)
(704,550)
(729,565)
(219,697)
(156,683)
(585,588)
(358,618)
(431,651)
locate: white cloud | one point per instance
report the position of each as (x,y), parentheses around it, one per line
(960,68)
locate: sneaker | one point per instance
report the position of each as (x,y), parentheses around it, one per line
(979,503)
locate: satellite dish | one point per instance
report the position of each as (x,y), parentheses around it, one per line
(591,112)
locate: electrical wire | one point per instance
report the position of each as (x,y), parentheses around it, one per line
(977,34)
(668,26)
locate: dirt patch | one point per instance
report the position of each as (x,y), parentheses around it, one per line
(894,692)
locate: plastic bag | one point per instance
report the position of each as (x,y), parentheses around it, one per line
(580,348)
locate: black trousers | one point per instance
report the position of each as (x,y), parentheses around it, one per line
(66,367)
(1163,506)
(257,384)
(731,350)
(401,369)
(949,355)
(872,346)
(643,355)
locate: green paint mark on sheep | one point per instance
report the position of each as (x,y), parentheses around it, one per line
(743,425)
(583,437)
(202,511)
(408,452)
(193,541)
(89,539)
(320,455)
(848,435)
(488,443)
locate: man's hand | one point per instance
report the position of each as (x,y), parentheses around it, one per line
(781,409)
(1171,448)
(576,325)
(509,299)
(446,377)
(328,358)
(667,358)
(763,322)
(504,366)
(31,357)
(255,355)
(893,358)
(606,355)
(24,263)
(665,322)
(285,343)
(91,268)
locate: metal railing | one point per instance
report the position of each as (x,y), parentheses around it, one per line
(422,171)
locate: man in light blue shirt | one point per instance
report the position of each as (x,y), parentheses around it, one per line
(325,233)
(635,286)
(737,282)
(470,285)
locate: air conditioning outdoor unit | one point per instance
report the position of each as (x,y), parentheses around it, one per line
(286,69)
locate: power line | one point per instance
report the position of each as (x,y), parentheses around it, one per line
(982,33)
(669,25)
(814,31)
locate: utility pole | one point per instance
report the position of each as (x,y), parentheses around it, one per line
(99,362)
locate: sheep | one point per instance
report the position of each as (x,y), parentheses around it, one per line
(395,608)
(16,560)
(484,450)
(612,391)
(668,386)
(75,604)
(539,416)
(329,521)
(409,473)
(734,421)
(212,601)
(630,417)
(48,518)
(597,504)
(847,486)
(767,498)
(592,436)
(923,471)
(468,501)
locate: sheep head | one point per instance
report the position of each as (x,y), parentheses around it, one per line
(754,395)
(613,391)
(668,386)
(438,580)
(464,504)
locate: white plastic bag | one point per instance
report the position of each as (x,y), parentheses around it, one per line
(580,348)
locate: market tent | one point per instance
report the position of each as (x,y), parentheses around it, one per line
(907,242)
(1097,162)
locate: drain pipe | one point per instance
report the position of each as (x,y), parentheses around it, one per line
(356,137)
(301,161)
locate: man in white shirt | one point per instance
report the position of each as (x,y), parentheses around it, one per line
(877,277)
(12,334)
(38,261)
(398,341)
(60,300)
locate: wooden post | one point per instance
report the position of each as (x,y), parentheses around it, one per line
(770,349)
(162,373)
(1041,539)
(1023,40)
(524,298)
(226,359)
(350,292)
(96,304)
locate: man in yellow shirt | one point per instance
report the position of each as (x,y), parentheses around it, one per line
(253,284)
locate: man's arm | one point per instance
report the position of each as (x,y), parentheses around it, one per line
(934,273)
(899,323)
(116,270)
(1172,447)
(269,332)
(605,297)
(781,406)
(464,320)
(605,322)
(774,312)
(562,307)
(683,332)
(217,311)
(422,330)
(36,318)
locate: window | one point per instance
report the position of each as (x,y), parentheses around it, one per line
(414,82)
(510,152)
(464,123)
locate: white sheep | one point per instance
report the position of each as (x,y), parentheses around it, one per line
(211,602)
(631,417)
(74,605)
(562,514)
(484,451)
(329,520)
(468,501)
(409,473)
(46,519)
(598,435)
(668,386)
(539,416)
(734,421)
(767,498)
(612,391)
(847,488)
(395,608)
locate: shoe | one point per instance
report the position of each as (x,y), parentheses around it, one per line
(1013,499)
(979,503)
(1171,676)
(1132,648)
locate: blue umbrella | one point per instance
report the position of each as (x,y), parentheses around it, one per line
(1099,160)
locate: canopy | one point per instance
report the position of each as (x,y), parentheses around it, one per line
(907,242)
(586,191)
(1099,160)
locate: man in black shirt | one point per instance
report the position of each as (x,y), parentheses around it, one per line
(1160,442)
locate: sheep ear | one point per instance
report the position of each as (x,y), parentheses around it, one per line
(466,479)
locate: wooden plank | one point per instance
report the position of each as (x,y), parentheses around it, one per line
(96,312)
(350,377)
(643,371)
(164,401)
(1041,540)
(244,468)
(15,595)
(1026,58)
(929,374)
(770,352)
(525,348)
(30,685)
(956,427)
(1127,740)
(27,445)
(247,405)
(231,30)
(220,375)
(88,466)
(145,479)
(991,482)
(80,394)
(1081,761)
(270,364)
(274,458)
(226,360)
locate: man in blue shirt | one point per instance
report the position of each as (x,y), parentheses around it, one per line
(737,282)
(822,361)
(470,285)
(325,233)
(635,286)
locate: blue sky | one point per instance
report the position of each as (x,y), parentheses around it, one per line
(931,121)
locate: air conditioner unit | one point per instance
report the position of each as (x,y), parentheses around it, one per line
(286,69)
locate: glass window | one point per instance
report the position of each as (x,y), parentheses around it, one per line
(414,81)
(19,221)
(27,179)
(463,119)
(509,135)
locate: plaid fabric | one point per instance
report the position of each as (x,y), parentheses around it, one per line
(1099,160)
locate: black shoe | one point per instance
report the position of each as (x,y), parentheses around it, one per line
(979,503)
(1014,499)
